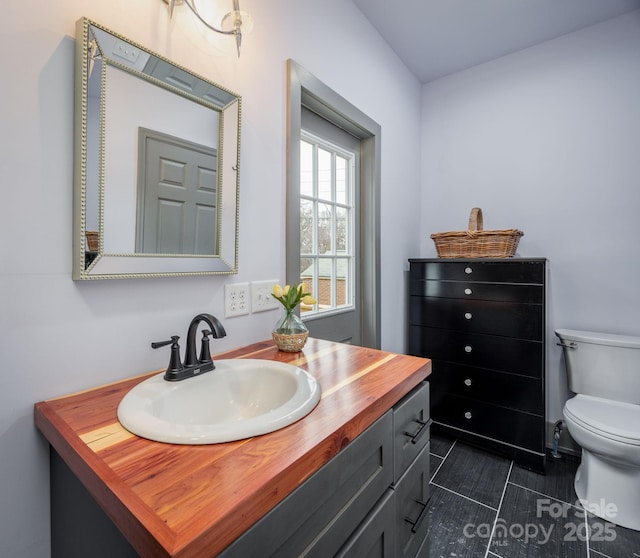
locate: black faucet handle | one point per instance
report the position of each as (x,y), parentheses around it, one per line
(205,351)
(175,364)
(158,344)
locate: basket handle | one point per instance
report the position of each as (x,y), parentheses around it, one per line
(475,219)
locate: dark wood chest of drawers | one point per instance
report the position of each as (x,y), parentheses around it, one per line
(482,322)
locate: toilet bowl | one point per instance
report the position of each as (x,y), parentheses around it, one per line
(604,420)
(607,482)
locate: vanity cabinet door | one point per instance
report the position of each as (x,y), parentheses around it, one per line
(411,423)
(376,536)
(321,514)
(412,496)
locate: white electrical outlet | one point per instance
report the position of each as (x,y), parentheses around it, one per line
(261,298)
(236,300)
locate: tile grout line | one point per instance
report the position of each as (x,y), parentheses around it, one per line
(443,460)
(495,521)
(564,495)
(545,495)
(579,508)
(597,553)
(463,496)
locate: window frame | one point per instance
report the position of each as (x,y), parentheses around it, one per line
(333,254)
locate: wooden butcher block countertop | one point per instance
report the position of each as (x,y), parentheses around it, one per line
(193,501)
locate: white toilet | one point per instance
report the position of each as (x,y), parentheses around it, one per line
(604,419)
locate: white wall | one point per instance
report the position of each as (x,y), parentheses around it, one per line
(58,336)
(547,140)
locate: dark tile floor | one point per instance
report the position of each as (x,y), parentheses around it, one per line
(486,506)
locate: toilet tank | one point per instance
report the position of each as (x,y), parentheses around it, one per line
(602,364)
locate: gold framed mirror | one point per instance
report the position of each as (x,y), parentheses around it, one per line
(157,164)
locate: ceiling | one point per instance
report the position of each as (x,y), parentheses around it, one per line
(439,37)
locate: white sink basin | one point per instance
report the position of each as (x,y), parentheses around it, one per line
(239,399)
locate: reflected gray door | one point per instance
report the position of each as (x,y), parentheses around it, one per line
(177,196)
(330,229)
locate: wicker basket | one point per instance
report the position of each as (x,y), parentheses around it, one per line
(290,342)
(93,240)
(477,243)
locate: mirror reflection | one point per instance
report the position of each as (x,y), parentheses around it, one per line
(157,186)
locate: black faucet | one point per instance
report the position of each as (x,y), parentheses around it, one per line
(193,365)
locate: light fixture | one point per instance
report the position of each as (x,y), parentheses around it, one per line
(233,23)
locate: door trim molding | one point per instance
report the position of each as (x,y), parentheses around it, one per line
(304,89)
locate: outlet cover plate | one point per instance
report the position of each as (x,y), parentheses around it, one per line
(236,299)
(261,298)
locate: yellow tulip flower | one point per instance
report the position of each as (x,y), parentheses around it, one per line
(291,295)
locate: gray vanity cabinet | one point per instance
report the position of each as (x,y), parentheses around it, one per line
(369,500)
(322,513)
(411,470)
(375,537)
(482,322)
(364,502)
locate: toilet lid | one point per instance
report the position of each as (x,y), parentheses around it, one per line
(612,419)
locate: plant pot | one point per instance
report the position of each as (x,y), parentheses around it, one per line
(290,334)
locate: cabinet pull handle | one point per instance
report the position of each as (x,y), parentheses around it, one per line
(468,315)
(468,415)
(468,348)
(415,436)
(468,291)
(468,270)
(467,382)
(415,525)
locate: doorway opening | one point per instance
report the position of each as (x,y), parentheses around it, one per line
(333,185)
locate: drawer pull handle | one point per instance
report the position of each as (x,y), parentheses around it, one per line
(424,427)
(468,315)
(468,270)
(468,348)
(468,415)
(415,525)
(468,291)
(467,382)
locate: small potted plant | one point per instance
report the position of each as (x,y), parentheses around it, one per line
(290,334)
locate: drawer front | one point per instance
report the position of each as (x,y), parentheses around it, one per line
(470,290)
(520,393)
(502,271)
(376,536)
(505,425)
(412,495)
(410,428)
(524,321)
(518,356)
(347,487)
